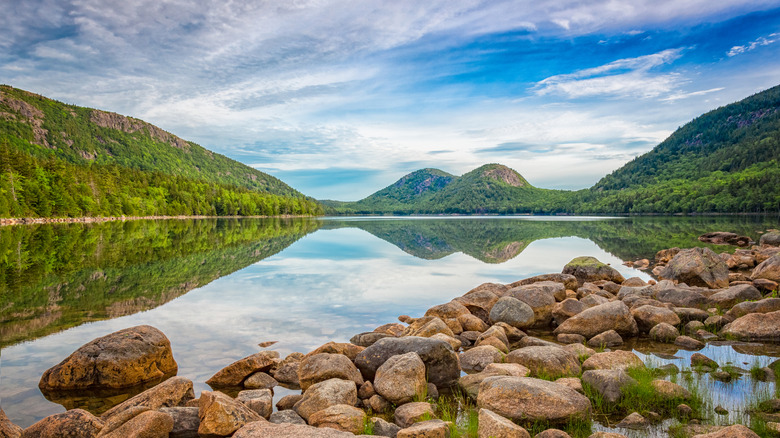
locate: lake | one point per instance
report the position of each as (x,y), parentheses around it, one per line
(218,287)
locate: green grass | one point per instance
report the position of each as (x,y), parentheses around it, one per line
(368,425)
(576,428)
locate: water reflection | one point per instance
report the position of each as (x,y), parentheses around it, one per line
(241,282)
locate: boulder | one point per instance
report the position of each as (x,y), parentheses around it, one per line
(610,383)
(766,305)
(325,394)
(570,338)
(378,404)
(572,382)
(441,361)
(267,429)
(664,332)
(222,415)
(771,238)
(633,420)
(612,360)
(426,429)
(258,400)
(768,269)
(580,351)
(609,338)
(700,360)
(72,423)
(383,428)
(450,310)
(235,373)
(726,299)
(479,302)
(477,358)
(323,366)
(260,380)
(401,378)
(688,343)
(688,314)
(698,267)
(286,416)
(529,399)
(7,428)
(670,391)
(566,309)
(428,326)
(366,390)
(552,433)
(455,343)
(568,281)
(367,339)
(346,348)
(546,361)
(287,370)
(118,360)
(538,299)
(495,331)
(492,425)
(614,315)
(682,297)
(735,431)
(593,300)
(508,369)
(755,327)
(176,391)
(513,312)
(340,417)
(589,269)
(149,424)
(472,323)
(647,317)
(185,421)
(410,413)
(724,238)
(288,401)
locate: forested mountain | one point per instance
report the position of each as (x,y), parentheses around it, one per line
(62,160)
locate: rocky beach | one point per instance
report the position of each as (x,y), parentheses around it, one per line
(548,356)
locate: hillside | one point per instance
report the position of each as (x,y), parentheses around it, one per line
(64,160)
(492,188)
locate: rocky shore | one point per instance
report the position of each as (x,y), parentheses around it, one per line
(537,357)
(99,219)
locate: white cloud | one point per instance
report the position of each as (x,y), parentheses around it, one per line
(762,41)
(679,96)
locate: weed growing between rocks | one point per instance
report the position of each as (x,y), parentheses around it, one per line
(575,428)
(460,412)
(368,425)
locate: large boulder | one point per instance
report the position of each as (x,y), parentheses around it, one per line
(768,269)
(764,306)
(755,327)
(772,238)
(340,417)
(7,428)
(450,310)
(221,415)
(735,431)
(72,423)
(547,361)
(698,267)
(479,301)
(513,312)
(682,297)
(530,399)
(477,358)
(613,315)
(609,383)
(266,429)
(176,391)
(118,360)
(149,424)
(726,299)
(401,378)
(323,366)
(612,360)
(495,426)
(566,309)
(648,316)
(568,281)
(539,299)
(258,400)
(410,413)
(441,361)
(235,373)
(589,269)
(346,348)
(325,394)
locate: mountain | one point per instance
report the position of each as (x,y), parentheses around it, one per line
(726,160)
(492,188)
(65,160)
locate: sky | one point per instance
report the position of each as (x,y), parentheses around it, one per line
(342,98)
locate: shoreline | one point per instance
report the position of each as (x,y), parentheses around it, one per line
(101,219)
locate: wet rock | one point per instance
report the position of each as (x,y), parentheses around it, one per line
(323,366)
(368,339)
(592,321)
(720,410)
(477,358)
(72,423)
(768,269)
(325,394)
(669,390)
(766,305)
(426,429)
(410,413)
(566,309)
(513,312)
(235,373)
(258,400)
(495,426)
(591,269)
(755,327)
(176,391)
(339,417)
(260,380)
(570,338)
(525,398)
(688,343)
(546,361)
(185,421)
(266,429)
(611,360)
(383,428)
(698,267)
(648,317)
(401,378)
(684,410)
(222,415)
(608,383)
(538,299)
(118,360)
(723,376)
(664,332)
(735,294)
(286,416)
(441,361)
(609,338)
(7,428)
(634,421)
(149,424)
(288,401)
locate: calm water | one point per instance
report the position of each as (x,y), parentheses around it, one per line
(217,288)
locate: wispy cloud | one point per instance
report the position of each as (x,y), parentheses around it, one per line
(762,41)
(679,96)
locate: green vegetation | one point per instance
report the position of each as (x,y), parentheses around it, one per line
(53,277)
(59,160)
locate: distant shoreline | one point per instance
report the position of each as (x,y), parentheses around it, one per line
(93,220)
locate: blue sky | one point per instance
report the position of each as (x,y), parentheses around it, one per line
(341,98)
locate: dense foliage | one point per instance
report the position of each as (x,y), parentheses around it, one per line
(59,160)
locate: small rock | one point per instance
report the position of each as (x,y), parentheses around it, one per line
(7,428)
(684,410)
(608,383)
(492,425)
(688,343)
(221,415)
(384,428)
(288,401)
(699,360)
(669,390)
(410,413)
(260,380)
(378,404)
(613,360)
(546,361)
(185,421)
(339,417)
(720,410)
(286,416)
(722,376)
(634,421)
(477,358)
(72,423)
(258,400)
(426,429)
(570,338)
(235,373)
(366,390)
(664,332)
(552,433)
(609,338)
